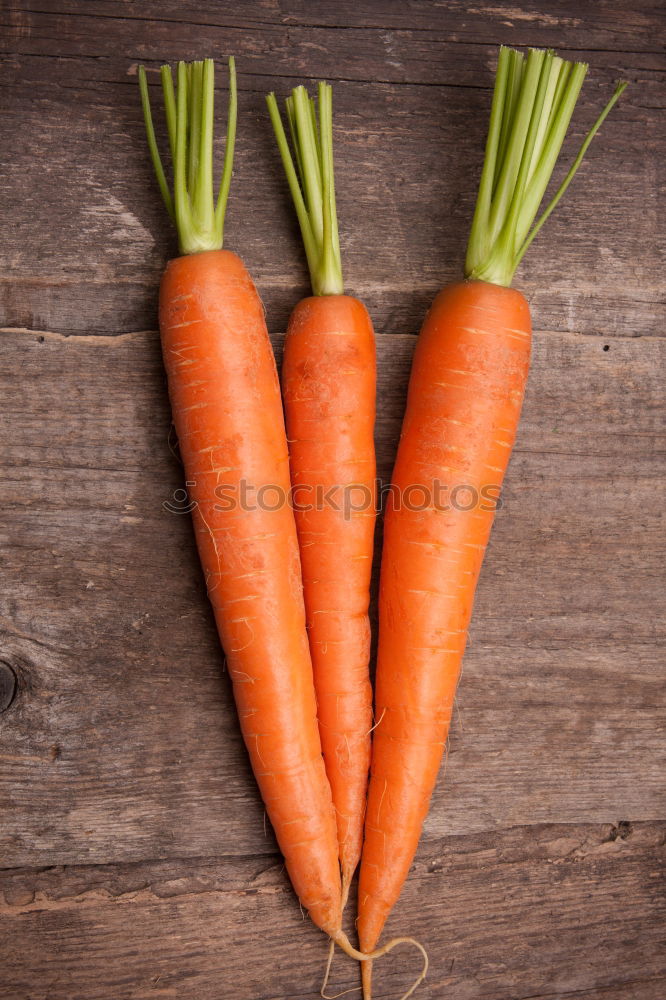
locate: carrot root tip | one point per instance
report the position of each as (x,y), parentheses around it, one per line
(366,980)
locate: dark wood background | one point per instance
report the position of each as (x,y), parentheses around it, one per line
(135,862)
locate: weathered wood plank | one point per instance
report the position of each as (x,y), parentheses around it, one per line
(540,873)
(412,102)
(608,25)
(122,743)
(532,913)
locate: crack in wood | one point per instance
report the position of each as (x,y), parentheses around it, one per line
(291,22)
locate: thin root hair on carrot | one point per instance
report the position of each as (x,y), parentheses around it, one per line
(379,719)
(341,939)
(329,962)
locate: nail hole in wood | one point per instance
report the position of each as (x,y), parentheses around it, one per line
(606,347)
(7,686)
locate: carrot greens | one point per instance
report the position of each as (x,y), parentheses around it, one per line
(188,107)
(311,181)
(533,101)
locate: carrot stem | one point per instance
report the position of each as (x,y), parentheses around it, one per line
(621,87)
(309,241)
(152,143)
(195,84)
(169,106)
(533,101)
(189,114)
(311,182)
(225,180)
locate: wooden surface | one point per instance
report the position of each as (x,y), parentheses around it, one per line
(134,857)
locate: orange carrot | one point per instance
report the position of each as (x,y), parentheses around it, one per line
(466,389)
(328,385)
(227,411)
(465,394)
(226,407)
(328,381)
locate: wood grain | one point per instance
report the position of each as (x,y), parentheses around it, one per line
(536,912)
(134,857)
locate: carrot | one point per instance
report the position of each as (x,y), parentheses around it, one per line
(328,387)
(227,411)
(465,395)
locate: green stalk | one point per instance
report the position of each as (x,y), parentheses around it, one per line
(189,113)
(311,181)
(195,86)
(328,190)
(307,139)
(513,154)
(514,73)
(533,101)
(152,143)
(225,180)
(479,244)
(169,105)
(619,90)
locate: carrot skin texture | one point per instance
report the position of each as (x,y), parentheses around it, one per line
(329,387)
(227,410)
(465,395)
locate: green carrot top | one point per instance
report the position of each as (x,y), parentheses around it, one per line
(188,107)
(311,181)
(533,101)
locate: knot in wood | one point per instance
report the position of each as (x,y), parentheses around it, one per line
(8,685)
